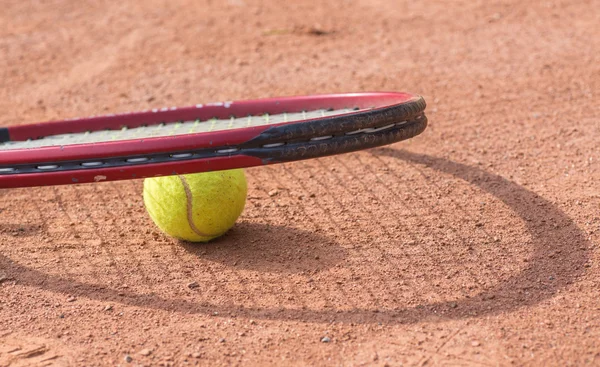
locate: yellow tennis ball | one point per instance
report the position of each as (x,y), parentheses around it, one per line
(196,207)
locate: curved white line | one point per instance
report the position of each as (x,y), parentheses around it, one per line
(190,211)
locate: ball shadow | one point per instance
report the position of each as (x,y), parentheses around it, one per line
(557,253)
(269,248)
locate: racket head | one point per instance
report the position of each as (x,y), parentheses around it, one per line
(204,137)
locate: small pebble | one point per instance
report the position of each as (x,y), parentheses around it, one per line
(128,358)
(273,192)
(196,355)
(145,352)
(193,285)
(71,299)
(325,340)
(108,307)
(475,343)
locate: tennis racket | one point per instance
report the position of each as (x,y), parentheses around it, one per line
(205,137)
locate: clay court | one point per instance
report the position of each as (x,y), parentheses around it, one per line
(472,244)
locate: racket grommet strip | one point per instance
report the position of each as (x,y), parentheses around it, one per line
(92,164)
(228,150)
(181,155)
(319,138)
(376,129)
(137,160)
(273,145)
(48,167)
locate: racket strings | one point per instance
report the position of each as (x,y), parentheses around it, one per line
(171,129)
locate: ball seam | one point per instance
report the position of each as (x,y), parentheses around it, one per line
(190,210)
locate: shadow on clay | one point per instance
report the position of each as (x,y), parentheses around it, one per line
(20,230)
(269,248)
(568,246)
(522,289)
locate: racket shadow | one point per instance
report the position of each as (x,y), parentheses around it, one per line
(270,248)
(542,277)
(18,230)
(559,249)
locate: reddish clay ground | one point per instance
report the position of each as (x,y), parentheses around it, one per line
(475,243)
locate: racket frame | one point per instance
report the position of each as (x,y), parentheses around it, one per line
(376,110)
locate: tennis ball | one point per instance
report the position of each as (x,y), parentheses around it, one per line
(196,207)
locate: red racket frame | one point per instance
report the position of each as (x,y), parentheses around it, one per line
(125,148)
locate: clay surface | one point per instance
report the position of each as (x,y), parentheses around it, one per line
(474,244)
